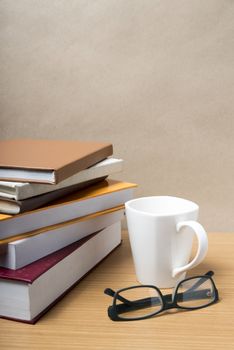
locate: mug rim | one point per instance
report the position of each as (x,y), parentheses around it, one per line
(128,206)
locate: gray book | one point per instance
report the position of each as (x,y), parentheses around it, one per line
(22,252)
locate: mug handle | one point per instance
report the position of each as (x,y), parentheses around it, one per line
(202,245)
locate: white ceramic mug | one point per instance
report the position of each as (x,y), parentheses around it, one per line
(161,230)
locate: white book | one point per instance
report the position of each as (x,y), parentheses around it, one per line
(22,252)
(27,293)
(104,195)
(23,190)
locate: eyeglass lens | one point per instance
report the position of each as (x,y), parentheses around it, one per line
(195,292)
(140,302)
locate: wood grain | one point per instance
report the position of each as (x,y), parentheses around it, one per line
(80,320)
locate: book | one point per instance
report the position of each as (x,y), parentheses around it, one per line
(27,293)
(48,161)
(101,196)
(24,190)
(22,252)
(12,206)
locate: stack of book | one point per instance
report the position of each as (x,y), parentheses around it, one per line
(59,217)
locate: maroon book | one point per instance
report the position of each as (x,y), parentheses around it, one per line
(84,254)
(34,270)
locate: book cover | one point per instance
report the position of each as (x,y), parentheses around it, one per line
(54,274)
(48,161)
(101,196)
(24,190)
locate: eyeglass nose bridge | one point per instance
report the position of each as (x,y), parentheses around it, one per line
(169,301)
(169,305)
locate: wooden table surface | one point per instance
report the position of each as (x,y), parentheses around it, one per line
(80,321)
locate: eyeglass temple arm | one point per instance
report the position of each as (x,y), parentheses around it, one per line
(111,293)
(200,281)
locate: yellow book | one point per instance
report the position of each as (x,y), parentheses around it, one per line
(101,196)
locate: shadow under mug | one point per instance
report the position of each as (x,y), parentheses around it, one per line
(161,231)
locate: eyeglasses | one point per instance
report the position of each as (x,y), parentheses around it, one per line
(144,301)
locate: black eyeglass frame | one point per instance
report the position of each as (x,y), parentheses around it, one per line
(166,300)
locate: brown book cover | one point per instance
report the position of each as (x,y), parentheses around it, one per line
(48,161)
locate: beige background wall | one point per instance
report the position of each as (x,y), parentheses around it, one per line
(154,77)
